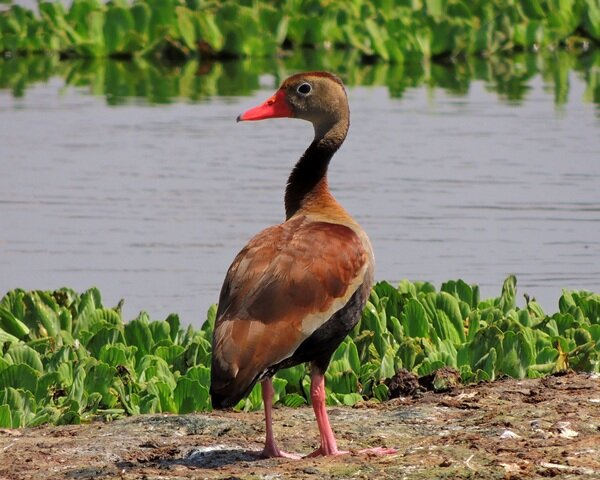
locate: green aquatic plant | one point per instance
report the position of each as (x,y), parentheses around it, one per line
(157,83)
(66,358)
(389,30)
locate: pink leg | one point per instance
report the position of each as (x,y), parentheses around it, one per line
(271,449)
(317,396)
(328,443)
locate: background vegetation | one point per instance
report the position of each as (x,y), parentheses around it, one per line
(390,30)
(66,358)
(122,81)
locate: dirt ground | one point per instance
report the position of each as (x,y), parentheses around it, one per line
(506,429)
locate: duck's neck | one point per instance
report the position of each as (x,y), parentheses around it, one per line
(308,181)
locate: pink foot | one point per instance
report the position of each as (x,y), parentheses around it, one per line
(276,453)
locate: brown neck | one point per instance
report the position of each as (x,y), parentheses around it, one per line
(309,177)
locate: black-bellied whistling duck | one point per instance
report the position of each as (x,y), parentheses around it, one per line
(296,289)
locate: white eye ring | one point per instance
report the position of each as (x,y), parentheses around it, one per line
(304,88)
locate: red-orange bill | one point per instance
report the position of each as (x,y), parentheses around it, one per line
(274,107)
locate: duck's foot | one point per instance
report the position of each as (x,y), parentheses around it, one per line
(272,451)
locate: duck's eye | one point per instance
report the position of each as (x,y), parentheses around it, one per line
(304,88)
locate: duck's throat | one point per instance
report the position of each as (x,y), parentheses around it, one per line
(308,180)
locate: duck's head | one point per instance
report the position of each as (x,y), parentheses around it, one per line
(318,97)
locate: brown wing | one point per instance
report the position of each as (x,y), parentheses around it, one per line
(283,285)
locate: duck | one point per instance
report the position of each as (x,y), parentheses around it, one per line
(296,289)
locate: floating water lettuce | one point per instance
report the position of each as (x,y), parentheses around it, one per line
(66,358)
(390,31)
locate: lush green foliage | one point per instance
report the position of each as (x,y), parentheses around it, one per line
(66,358)
(391,30)
(121,81)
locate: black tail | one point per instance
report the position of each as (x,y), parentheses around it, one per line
(219,402)
(225,391)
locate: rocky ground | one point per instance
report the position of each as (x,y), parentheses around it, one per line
(506,429)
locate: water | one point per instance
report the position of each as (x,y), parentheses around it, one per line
(148,191)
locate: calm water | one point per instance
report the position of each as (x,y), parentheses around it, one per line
(149,194)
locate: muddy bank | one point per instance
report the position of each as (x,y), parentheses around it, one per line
(507,429)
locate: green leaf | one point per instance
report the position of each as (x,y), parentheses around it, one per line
(19,376)
(84,318)
(7,337)
(45,317)
(11,324)
(137,334)
(518,355)
(509,291)
(77,393)
(198,352)
(428,367)
(141,14)
(116,355)
(45,415)
(119,23)
(169,353)
(131,400)
(70,417)
(190,396)
(279,387)
(200,374)
(107,335)
(350,399)
(352,356)
(414,319)
(409,351)
(21,403)
(387,369)
(153,367)
(209,325)
(17,354)
(293,400)
(294,377)
(378,40)
(487,364)
(591,18)
(595,332)
(185,25)
(47,385)
(450,306)
(161,332)
(164,393)
(99,379)
(435,8)
(174,327)
(209,31)
(381,392)
(5,417)
(106,315)
(532,9)
(252,402)
(547,355)
(282,29)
